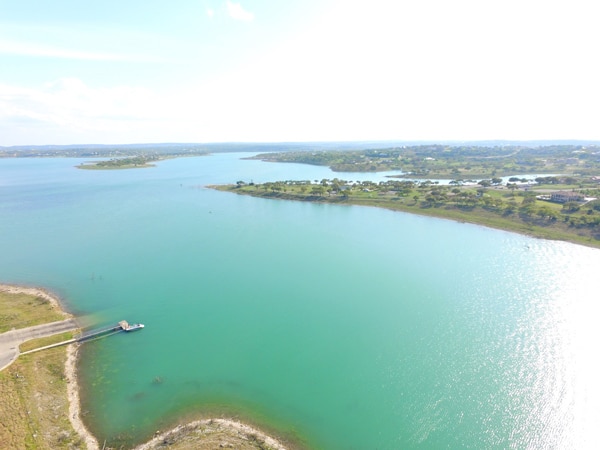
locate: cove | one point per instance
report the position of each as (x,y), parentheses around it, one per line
(344,327)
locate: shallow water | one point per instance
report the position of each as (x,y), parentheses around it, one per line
(348,327)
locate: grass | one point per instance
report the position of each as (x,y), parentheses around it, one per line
(42,342)
(34,405)
(22,310)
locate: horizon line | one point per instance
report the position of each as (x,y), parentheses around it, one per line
(358,141)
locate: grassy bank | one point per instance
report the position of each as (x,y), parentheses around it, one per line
(34,407)
(20,310)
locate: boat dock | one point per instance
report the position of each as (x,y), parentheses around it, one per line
(123,325)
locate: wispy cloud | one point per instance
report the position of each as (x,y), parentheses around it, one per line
(237,12)
(45,51)
(72,104)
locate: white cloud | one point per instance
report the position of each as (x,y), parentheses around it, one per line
(71,107)
(46,51)
(393,72)
(399,72)
(237,12)
(210,12)
(29,49)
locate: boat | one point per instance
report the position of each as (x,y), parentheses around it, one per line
(125,326)
(134,326)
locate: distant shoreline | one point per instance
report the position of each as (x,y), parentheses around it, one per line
(196,431)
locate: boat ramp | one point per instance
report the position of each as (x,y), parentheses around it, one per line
(123,325)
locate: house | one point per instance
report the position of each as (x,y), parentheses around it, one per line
(566,196)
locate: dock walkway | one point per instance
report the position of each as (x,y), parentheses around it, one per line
(11,340)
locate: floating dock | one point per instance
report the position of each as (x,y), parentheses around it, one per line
(125,326)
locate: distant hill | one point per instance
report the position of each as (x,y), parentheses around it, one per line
(180,149)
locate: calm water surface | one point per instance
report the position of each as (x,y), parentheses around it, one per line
(344,327)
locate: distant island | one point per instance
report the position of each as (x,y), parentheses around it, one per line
(492,186)
(134,162)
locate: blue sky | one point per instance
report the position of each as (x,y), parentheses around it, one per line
(133,71)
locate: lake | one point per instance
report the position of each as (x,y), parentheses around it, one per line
(342,327)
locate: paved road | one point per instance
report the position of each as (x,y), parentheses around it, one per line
(10,341)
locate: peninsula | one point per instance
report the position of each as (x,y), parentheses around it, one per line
(548,192)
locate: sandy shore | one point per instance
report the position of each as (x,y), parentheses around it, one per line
(73,395)
(207,426)
(180,432)
(194,429)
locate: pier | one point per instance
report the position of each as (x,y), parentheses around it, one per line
(11,340)
(123,325)
(97,334)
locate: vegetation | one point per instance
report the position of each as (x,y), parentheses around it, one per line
(454,162)
(134,162)
(513,206)
(119,156)
(45,341)
(23,310)
(33,403)
(33,392)
(103,151)
(474,191)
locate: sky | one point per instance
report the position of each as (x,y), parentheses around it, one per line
(118,72)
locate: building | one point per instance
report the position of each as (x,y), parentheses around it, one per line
(566,196)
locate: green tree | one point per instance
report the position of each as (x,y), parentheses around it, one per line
(318,190)
(571,207)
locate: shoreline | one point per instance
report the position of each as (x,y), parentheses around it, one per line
(243,430)
(73,396)
(483,219)
(70,363)
(182,431)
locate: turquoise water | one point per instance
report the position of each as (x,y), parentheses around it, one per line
(345,327)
